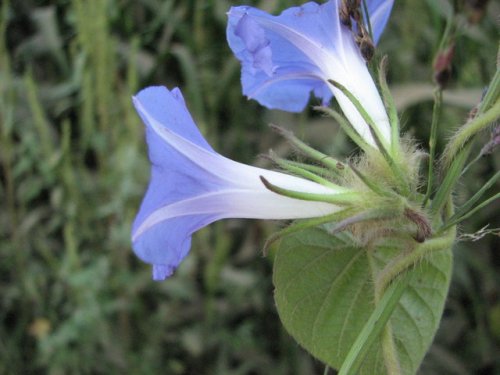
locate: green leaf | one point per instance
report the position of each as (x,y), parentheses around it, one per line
(325,293)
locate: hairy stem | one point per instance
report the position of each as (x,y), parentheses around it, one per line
(412,257)
(389,352)
(467,131)
(374,326)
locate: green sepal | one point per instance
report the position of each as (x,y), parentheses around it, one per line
(451,177)
(300,225)
(346,127)
(381,144)
(377,136)
(338,221)
(389,105)
(456,220)
(372,184)
(342,198)
(307,150)
(300,170)
(320,171)
(467,206)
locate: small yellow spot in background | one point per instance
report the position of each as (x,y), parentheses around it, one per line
(40,328)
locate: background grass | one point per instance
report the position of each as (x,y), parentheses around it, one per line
(73,168)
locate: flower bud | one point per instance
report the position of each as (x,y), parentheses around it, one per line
(443,66)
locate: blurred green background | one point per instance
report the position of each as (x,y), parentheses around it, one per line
(73,169)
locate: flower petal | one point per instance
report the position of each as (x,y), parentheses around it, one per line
(256,44)
(191,185)
(290,74)
(165,237)
(379,11)
(304,48)
(157,105)
(284,58)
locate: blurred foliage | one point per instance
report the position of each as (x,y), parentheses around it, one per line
(73,168)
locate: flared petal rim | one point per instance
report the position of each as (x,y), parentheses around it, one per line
(191,185)
(287,57)
(294,49)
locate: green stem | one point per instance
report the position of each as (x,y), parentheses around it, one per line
(452,175)
(46,141)
(472,201)
(471,163)
(374,326)
(436,113)
(471,212)
(389,352)
(467,131)
(390,106)
(405,261)
(492,94)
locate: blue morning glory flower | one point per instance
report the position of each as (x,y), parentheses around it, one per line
(379,12)
(192,186)
(286,57)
